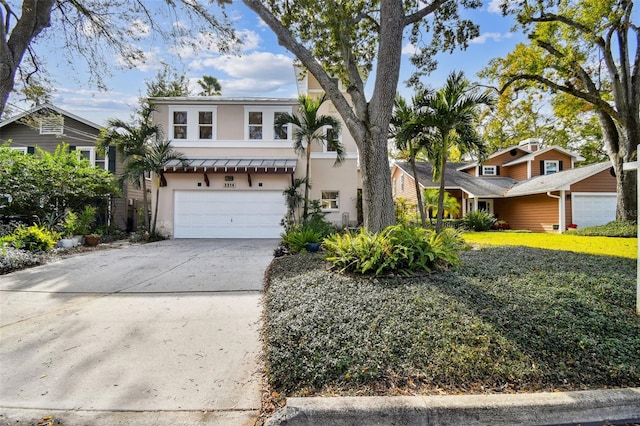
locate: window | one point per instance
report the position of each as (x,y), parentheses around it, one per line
(401,183)
(255,125)
(22,149)
(205,121)
(331,135)
(551,166)
(90,154)
(52,125)
(489,170)
(260,123)
(283,132)
(180,124)
(330,200)
(192,123)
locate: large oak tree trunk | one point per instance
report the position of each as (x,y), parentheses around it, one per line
(35,16)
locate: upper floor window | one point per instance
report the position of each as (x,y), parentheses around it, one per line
(180,124)
(551,166)
(260,123)
(255,125)
(282,132)
(489,170)
(52,125)
(89,152)
(205,122)
(331,134)
(192,123)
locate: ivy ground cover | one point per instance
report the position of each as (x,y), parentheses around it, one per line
(508,319)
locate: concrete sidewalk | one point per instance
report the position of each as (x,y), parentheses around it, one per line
(164,334)
(615,406)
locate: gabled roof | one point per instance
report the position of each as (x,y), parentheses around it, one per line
(499,187)
(534,154)
(495,154)
(455,179)
(556,181)
(52,108)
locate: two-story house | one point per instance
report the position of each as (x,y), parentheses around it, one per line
(239,165)
(47,126)
(530,188)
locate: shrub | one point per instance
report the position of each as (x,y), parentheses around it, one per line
(298,238)
(397,249)
(34,238)
(12,259)
(611,229)
(479,220)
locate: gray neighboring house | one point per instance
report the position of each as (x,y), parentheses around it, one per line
(47,126)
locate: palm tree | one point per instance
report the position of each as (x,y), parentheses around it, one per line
(450,204)
(210,86)
(157,155)
(130,140)
(407,132)
(449,116)
(311,127)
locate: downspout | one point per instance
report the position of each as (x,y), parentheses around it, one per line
(561,210)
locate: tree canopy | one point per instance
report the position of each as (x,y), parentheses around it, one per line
(343,43)
(95,30)
(588,50)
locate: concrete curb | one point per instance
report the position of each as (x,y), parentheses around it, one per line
(562,408)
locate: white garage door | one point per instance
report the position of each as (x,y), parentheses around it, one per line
(225,214)
(592,209)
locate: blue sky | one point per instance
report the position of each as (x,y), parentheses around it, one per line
(262,69)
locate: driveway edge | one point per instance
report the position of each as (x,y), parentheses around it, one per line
(548,408)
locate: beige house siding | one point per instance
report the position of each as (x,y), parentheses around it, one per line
(231,142)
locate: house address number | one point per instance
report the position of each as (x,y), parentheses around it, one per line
(229,184)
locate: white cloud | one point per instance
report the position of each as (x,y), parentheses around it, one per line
(208,44)
(144,61)
(254,74)
(495,6)
(496,37)
(410,49)
(139,29)
(265,65)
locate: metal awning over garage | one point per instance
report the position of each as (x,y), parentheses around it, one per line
(233,165)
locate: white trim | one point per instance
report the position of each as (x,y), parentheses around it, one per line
(193,125)
(337,199)
(331,155)
(545,162)
(490,167)
(22,149)
(268,122)
(528,169)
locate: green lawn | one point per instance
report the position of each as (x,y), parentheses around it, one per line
(622,247)
(509,319)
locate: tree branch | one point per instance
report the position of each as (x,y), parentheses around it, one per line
(421,13)
(287,40)
(595,101)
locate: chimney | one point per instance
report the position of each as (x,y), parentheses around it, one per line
(531,144)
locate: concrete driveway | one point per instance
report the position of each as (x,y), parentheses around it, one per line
(161,333)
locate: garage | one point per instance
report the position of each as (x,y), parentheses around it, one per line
(593,208)
(228,214)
